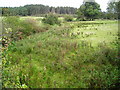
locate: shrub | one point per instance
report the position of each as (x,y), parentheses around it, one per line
(68,18)
(51,19)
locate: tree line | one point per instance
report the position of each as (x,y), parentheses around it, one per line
(36,9)
(91,10)
(87,11)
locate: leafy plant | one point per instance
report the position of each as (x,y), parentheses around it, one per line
(68,18)
(51,19)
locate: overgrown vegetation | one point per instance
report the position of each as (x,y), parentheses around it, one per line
(51,19)
(68,18)
(66,56)
(15,29)
(59,50)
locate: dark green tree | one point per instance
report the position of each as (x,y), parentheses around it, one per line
(89,11)
(23,11)
(36,10)
(5,11)
(113,10)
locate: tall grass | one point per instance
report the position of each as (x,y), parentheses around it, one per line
(55,59)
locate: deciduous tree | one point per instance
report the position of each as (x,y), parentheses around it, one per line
(89,10)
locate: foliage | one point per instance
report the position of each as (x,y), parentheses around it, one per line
(36,10)
(15,29)
(80,16)
(63,58)
(68,18)
(113,8)
(89,10)
(51,19)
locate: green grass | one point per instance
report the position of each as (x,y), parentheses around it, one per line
(98,33)
(58,59)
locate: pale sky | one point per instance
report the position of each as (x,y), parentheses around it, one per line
(71,3)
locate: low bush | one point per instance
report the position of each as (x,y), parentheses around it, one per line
(68,18)
(51,19)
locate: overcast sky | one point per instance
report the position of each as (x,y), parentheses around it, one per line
(72,3)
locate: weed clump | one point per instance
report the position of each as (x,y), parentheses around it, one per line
(68,18)
(51,19)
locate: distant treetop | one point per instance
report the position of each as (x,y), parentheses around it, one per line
(84,1)
(113,1)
